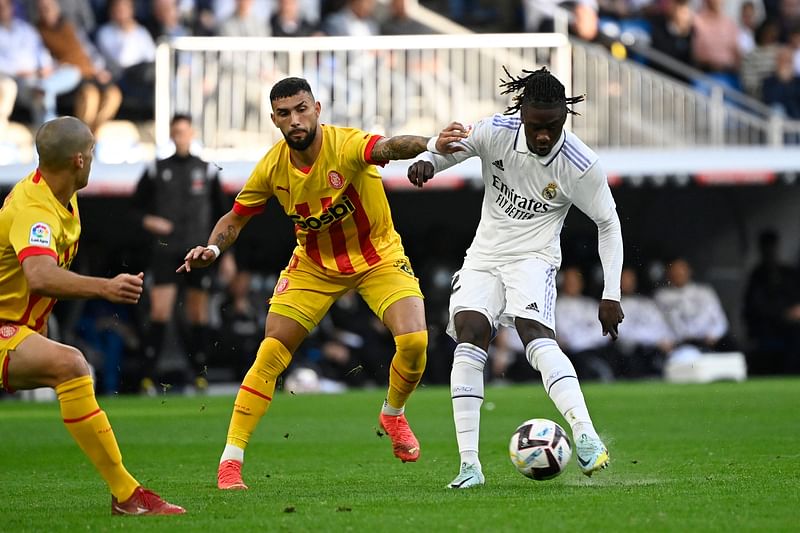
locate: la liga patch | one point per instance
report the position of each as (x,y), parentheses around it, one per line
(40,234)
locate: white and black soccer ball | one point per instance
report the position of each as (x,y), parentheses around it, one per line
(539,449)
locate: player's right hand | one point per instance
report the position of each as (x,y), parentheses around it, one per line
(199,257)
(419,172)
(125,288)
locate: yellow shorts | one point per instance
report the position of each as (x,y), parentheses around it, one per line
(305,293)
(11,335)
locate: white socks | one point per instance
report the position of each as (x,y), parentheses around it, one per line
(232,452)
(466,387)
(392,411)
(561,383)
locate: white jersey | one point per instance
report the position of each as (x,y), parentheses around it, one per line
(527,197)
(644,322)
(579,331)
(693,311)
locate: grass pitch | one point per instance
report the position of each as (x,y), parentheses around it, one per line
(684,458)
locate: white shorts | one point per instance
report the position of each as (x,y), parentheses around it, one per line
(525,289)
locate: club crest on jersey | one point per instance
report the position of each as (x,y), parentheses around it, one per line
(40,234)
(335,179)
(550,191)
(403,265)
(7,331)
(282,285)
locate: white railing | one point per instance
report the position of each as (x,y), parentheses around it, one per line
(409,84)
(631,105)
(417,84)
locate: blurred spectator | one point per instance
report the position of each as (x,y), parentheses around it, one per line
(672,32)
(79,12)
(760,63)
(105,333)
(579,334)
(244,22)
(793,41)
(772,311)
(355,348)
(748,22)
(243,328)
(356,19)
(789,18)
(179,198)
(645,337)
(130,53)
(583,21)
(8,95)
(97,99)
(507,359)
(624,9)
(715,46)
(693,310)
(24,57)
(781,90)
(399,23)
(225,9)
(166,20)
(288,21)
(469,13)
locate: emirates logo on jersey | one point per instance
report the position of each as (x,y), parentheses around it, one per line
(7,331)
(335,179)
(282,285)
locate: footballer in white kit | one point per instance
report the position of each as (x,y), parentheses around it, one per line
(533,172)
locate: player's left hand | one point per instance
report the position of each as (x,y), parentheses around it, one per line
(449,138)
(199,257)
(610,315)
(419,172)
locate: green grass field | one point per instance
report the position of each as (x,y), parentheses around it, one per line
(689,458)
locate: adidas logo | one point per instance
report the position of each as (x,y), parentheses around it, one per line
(532,307)
(498,164)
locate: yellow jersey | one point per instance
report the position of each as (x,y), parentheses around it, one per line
(342,218)
(33,222)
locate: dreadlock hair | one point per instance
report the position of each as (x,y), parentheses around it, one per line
(538,88)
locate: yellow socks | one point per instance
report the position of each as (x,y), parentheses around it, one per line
(255,393)
(89,426)
(407,367)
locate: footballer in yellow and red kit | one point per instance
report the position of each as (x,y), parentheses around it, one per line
(32,222)
(343,224)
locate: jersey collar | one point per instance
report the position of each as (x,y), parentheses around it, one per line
(521,146)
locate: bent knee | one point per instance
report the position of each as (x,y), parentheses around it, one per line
(416,342)
(69,364)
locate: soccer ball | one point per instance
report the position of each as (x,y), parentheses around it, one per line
(539,449)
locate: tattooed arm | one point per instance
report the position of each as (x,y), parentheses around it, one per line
(224,234)
(408,146)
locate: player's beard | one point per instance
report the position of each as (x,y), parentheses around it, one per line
(303,143)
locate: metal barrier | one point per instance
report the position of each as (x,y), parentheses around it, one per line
(632,105)
(417,84)
(385,84)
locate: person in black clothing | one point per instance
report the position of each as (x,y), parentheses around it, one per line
(672,32)
(179,198)
(772,311)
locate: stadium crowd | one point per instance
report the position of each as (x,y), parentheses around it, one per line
(81,56)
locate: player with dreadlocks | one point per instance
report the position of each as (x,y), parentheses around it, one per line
(533,172)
